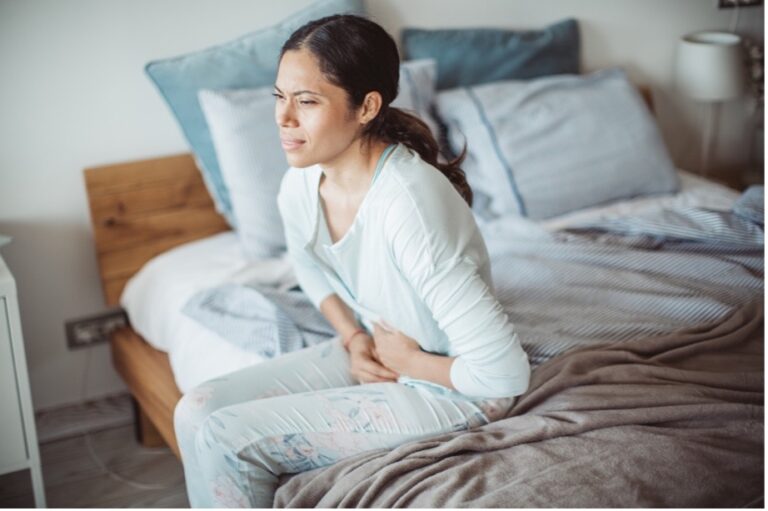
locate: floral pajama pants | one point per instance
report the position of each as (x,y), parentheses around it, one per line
(303,410)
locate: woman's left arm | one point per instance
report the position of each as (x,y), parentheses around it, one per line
(439,257)
(403,355)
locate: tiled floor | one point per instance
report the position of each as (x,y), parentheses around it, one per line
(74,479)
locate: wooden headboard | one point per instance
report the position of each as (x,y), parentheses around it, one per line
(143,208)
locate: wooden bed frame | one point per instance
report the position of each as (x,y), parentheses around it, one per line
(139,210)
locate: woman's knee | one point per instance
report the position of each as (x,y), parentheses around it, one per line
(225,439)
(195,406)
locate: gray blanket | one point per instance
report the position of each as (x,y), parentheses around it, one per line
(673,421)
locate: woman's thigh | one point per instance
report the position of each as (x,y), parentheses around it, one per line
(294,433)
(322,366)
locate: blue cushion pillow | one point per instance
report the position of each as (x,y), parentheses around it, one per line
(473,56)
(246,62)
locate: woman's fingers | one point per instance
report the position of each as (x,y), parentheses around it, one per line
(363,375)
(379,370)
(367,368)
(374,378)
(371,372)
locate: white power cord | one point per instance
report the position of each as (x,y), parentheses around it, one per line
(92,452)
(734,18)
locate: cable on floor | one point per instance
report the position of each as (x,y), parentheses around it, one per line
(92,452)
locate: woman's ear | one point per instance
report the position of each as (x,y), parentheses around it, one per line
(370,107)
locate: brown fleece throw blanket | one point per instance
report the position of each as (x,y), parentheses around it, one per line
(670,421)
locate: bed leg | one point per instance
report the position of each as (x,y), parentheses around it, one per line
(146,432)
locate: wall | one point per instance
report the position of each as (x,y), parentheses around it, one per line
(73,94)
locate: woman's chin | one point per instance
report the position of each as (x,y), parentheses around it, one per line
(299,161)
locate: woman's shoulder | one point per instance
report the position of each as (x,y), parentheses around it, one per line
(420,188)
(411,171)
(424,205)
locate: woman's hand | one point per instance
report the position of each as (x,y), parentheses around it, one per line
(394,349)
(365,364)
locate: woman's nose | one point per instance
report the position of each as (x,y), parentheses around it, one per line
(284,115)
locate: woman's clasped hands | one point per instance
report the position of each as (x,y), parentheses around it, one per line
(382,357)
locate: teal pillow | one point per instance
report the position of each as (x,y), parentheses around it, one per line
(249,61)
(473,56)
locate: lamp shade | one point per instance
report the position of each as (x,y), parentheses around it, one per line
(710,66)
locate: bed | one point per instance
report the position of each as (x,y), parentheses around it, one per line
(642,314)
(141,210)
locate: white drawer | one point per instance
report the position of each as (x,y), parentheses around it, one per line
(13,447)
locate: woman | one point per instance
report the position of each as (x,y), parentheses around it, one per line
(384,243)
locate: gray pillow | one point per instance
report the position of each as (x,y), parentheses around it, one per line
(416,91)
(252,161)
(545,147)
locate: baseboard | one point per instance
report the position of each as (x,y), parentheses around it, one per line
(77,419)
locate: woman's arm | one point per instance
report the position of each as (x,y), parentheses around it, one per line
(435,368)
(339,315)
(295,221)
(402,354)
(364,362)
(441,263)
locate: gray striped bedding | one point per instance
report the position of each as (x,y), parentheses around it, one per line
(592,284)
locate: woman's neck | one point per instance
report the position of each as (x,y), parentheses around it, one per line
(351,172)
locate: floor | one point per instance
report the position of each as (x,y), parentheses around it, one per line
(74,479)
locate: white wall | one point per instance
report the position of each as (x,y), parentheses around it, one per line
(73,94)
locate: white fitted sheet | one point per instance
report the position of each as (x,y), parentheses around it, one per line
(154,297)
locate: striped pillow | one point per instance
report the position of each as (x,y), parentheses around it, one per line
(545,147)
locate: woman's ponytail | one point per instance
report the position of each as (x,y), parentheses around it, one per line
(394,125)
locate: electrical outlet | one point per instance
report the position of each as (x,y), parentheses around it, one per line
(94,329)
(727,4)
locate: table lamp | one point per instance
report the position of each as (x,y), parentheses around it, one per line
(710,69)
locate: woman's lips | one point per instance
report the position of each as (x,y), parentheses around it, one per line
(290,144)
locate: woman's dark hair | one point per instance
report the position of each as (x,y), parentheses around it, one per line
(359,56)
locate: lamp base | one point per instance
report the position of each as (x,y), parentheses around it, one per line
(711,115)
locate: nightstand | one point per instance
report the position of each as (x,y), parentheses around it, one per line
(18,437)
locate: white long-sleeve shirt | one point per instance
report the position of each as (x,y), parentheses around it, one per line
(414,258)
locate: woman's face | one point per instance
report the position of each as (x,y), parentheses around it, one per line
(316,125)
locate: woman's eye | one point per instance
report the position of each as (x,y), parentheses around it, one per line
(280,97)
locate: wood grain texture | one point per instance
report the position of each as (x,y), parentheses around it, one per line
(141,209)
(147,372)
(647,94)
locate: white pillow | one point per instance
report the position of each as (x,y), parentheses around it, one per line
(252,161)
(544,147)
